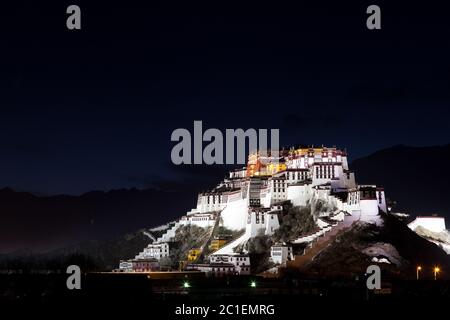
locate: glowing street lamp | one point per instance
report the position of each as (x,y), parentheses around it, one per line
(253,284)
(436,271)
(418,269)
(186,285)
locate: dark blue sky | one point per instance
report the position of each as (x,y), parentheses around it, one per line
(94,109)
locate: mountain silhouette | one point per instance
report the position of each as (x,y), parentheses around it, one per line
(416,178)
(47,223)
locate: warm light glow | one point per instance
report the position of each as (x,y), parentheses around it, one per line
(417,271)
(436,271)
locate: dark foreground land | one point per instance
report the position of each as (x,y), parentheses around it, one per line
(136,295)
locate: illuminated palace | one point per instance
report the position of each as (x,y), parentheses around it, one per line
(249,198)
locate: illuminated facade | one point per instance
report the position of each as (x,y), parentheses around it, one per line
(249,199)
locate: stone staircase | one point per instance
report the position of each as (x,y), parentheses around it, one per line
(169,234)
(204,248)
(317,246)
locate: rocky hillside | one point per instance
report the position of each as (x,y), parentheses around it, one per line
(442,239)
(393,246)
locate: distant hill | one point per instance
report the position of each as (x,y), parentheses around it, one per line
(47,223)
(417,178)
(93,255)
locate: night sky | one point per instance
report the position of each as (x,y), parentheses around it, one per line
(94,109)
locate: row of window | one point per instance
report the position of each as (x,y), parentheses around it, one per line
(241,259)
(223,269)
(201,219)
(353,198)
(303,175)
(229,269)
(325,172)
(215,199)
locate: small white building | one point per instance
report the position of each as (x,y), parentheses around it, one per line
(202,220)
(126,265)
(367,201)
(280,253)
(155,251)
(241,262)
(431,223)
